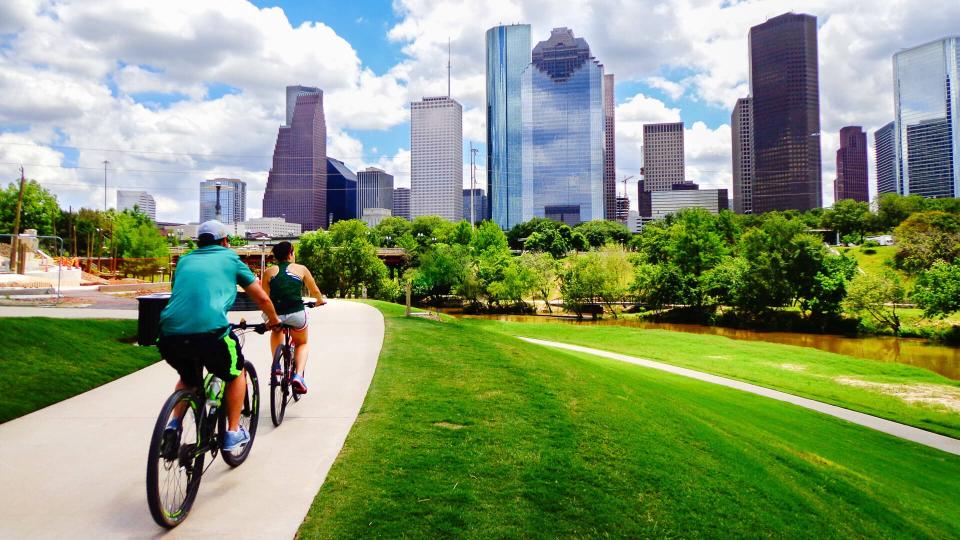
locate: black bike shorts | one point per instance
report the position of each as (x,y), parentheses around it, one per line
(219,353)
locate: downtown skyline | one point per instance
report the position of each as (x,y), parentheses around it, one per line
(222,106)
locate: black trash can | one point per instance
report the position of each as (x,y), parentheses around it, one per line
(148,317)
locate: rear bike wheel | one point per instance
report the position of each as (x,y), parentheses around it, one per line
(279,385)
(175,460)
(249,417)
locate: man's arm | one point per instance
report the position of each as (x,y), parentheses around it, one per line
(257,294)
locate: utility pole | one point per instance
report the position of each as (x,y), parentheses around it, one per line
(105,163)
(14,242)
(216,208)
(473,185)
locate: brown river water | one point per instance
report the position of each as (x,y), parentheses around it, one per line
(915,352)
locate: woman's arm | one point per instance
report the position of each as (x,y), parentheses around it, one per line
(312,286)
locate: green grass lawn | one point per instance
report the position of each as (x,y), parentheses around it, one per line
(798,370)
(43,361)
(877,262)
(467,432)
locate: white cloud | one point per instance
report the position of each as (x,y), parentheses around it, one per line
(674,90)
(398,165)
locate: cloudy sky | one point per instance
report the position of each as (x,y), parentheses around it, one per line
(173,92)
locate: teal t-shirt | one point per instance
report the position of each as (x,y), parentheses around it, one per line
(204,287)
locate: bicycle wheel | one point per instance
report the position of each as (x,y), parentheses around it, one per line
(175,460)
(279,387)
(249,416)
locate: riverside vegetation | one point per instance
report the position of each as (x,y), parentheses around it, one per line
(467,431)
(765,271)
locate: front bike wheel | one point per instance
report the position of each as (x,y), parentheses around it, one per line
(279,385)
(249,416)
(175,460)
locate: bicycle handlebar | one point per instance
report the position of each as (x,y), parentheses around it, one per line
(258,328)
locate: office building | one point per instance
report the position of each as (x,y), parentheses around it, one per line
(233,200)
(143,201)
(610,151)
(851,182)
(475,205)
(293,92)
(927,123)
(663,155)
(297,183)
(663,203)
(341,191)
(885,153)
(374,190)
(507,55)
(401,203)
(563,131)
(786,114)
(741,131)
(272,227)
(436,158)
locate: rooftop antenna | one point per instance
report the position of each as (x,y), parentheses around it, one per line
(448,67)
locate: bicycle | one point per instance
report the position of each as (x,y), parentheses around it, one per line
(175,459)
(280,388)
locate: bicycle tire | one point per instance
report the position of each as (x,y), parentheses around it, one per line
(187,459)
(249,416)
(278,390)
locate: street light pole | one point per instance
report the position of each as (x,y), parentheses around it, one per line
(14,243)
(473,186)
(216,209)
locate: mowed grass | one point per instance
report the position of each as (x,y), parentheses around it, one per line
(832,378)
(471,433)
(877,262)
(43,361)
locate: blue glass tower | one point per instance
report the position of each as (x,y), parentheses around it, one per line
(508,54)
(563,131)
(341,191)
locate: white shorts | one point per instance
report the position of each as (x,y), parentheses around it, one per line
(297,320)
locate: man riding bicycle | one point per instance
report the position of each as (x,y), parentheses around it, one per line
(194,330)
(284,284)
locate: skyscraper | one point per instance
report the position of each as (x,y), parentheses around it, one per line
(233,200)
(508,54)
(786,114)
(851,180)
(663,156)
(741,130)
(610,151)
(297,184)
(885,150)
(374,190)
(563,131)
(401,202)
(144,202)
(475,200)
(927,122)
(341,191)
(292,93)
(436,158)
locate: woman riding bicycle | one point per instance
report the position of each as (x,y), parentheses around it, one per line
(284,284)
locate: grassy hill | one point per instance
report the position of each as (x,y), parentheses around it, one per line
(469,432)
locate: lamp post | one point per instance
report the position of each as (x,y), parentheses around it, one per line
(216,209)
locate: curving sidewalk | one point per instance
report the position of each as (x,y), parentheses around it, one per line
(77,469)
(910,433)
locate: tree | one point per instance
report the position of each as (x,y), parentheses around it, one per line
(938,289)
(849,217)
(134,237)
(830,286)
(441,270)
(878,296)
(926,237)
(599,233)
(39,210)
(390,230)
(893,209)
(236,241)
(487,235)
(342,232)
(516,283)
(593,276)
(543,268)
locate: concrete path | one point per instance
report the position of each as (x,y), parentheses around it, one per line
(77,469)
(933,440)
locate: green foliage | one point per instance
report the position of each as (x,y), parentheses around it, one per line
(344,231)
(938,289)
(390,230)
(489,235)
(849,218)
(596,276)
(876,295)
(237,241)
(926,237)
(543,269)
(599,233)
(134,237)
(344,268)
(893,209)
(39,210)
(442,268)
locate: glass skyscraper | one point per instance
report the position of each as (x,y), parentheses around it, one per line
(563,131)
(784,85)
(508,54)
(297,184)
(851,180)
(341,191)
(886,154)
(926,97)
(233,200)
